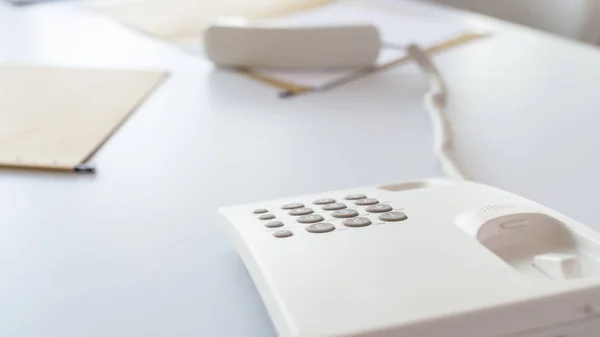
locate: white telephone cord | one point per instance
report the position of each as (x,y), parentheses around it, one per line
(435,104)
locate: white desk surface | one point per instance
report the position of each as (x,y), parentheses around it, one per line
(135,250)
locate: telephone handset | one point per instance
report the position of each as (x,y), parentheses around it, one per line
(235,42)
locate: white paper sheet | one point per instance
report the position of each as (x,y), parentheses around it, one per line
(318,78)
(394,26)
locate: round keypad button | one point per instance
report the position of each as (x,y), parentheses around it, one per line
(274,224)
(393,216)
(324,201)
(355,197)
(344,213)
(357,222)
(322,227)
(379,208)
(334,207)
(310,218)
(260,211)
(293,205)
(283,234)
(301,211)
(266,217)
(366,202)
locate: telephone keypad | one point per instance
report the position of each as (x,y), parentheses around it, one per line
(330,217)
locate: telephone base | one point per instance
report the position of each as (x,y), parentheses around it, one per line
(429,258)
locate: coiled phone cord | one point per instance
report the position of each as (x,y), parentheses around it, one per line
(435,104)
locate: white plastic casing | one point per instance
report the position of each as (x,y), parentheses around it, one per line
(234,44)
(444,271)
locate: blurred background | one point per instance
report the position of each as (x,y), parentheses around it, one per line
(574,19)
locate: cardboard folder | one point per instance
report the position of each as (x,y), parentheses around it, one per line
(56,118)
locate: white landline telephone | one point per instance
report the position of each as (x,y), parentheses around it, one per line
(429,258)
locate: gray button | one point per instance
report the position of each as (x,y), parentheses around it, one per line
(283,234)
(393,216)
(357,222)
(334,207)
(260,211)
(368,201)
(293,205)
(355,197)
(301,211)
(274,224)
(320,228)
(345,213)
(324,201)
(379,208)
(266,217)
(310,218)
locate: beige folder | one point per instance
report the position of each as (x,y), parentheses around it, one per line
(56,118)
(182,21)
